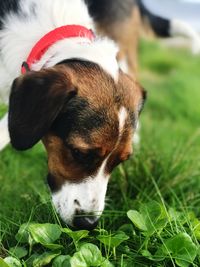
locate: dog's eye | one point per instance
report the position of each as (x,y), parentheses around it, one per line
(82,157)
(77,154)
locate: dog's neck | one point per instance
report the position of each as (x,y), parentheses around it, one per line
(102,52)
(23,31)
(51,38)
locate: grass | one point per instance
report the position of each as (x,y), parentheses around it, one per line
(166,169)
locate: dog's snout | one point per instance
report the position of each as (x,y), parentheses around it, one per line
(83,221)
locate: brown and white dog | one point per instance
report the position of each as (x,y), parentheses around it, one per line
(71,95)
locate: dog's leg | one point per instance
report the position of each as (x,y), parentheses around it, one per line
(181,28)
(126,34)
(4,134)
(129,42)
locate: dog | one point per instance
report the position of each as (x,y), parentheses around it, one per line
(126,21)
(67,90)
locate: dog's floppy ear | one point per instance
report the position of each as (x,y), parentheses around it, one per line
(36,99)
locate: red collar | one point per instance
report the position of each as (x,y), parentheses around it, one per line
(51,38)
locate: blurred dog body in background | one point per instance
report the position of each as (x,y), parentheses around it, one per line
(125,21)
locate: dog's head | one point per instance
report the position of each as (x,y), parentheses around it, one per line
(86,121)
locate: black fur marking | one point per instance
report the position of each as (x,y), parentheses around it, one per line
(88,159)
(72,63)
(52,183)
(78,117)
(8,6)
(161,26)
(110,11)
(13,6)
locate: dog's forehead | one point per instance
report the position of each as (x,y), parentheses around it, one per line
(102,91)
(101,104)
(96,84)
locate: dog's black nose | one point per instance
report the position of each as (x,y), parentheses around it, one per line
(85,222)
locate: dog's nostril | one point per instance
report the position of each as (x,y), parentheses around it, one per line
(85,222)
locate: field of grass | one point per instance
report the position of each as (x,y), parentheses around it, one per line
(160,184)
